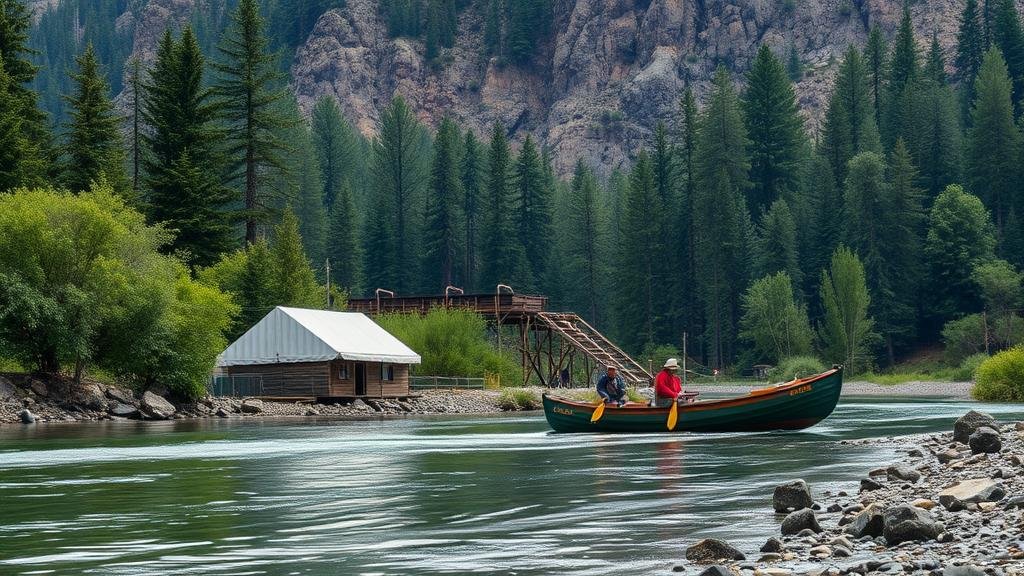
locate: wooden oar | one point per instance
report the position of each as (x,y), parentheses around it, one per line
(673,414)
(598,411)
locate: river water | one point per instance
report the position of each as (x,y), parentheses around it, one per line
(431,495)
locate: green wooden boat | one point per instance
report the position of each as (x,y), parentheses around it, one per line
(791,406)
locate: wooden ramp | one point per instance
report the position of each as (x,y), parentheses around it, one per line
(584,338)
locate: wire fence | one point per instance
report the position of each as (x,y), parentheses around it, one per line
(236,386)
(436,382)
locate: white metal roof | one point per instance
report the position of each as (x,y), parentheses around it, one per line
(288,335)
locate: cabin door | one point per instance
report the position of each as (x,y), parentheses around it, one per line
(360,379)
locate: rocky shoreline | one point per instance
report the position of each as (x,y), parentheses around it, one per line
(954,506)
(27,399)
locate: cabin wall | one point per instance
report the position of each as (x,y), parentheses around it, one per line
(299,379)
(375,387)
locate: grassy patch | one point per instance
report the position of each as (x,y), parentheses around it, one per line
(513,399)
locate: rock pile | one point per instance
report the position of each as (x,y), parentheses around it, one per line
(953,507)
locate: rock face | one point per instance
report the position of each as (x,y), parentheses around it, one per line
(710,550)
(7,390)
(905,523)
(792,496)
(985,440)
(800,520)
(157,407)
(969,423)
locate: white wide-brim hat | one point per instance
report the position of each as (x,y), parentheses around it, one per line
(672,363)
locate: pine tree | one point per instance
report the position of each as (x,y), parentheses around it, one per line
(95,149)
(847,331)
(849,122)
(586,247)
(825,199)
(776,244)
(794,67)
(335,146)
(294,281)
(775,129)
(533,217)
(472,207)
(343,248)
(528,22)
(258,293)
(639,317)
(309,206)
(442,234)
(501,253)
(1008,36)
(134,97)
(935,64)
(720,218)
(668,279)
(904,71)
(970,50)
(248,88)
(993,142)
(492,27)
(875,58)
(20,161)
(686,255)
(35,158)
(182,159)
(934,136)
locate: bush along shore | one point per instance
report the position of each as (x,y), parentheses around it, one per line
(953,507)
(28,399)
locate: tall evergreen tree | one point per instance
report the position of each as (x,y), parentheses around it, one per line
(720,218)
(258,292)
(36,157)
(825,199)
(400,173)
(794,67)
(528,22)
(500,255)
(134,97)
(472,207)
(95,148)
(994,142)
(669,279)
(294,281)
(934,134)
(775,129)
(586,247)
(875,58)
(309,204)
(639,314)
(442,235)
(20,161)
(1008,36)
(343,247)
(248,88)
(335,146)
(686,255)
(533,216)
(775,249)
(182,160)
(849,120)
(904,71)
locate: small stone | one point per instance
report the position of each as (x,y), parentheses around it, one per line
(26,417)
(947,456)
(252,406)
(312,412)
(902,472)
(1019,426)
(222,413)
(772,545)
(1004,473)
(915,453)
(800,520)
(841,541)
(868,523)
(770,557)
(905,522)
(716,570)
(820,551)
(709,550)
(1015,502)
(834,508)
(963,571)
(792,496)
(985,440)
(969,423)
(869,485)
(841,552)
(773,572)
(986,506)
(924,503)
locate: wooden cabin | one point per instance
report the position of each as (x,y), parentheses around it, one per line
(302,353)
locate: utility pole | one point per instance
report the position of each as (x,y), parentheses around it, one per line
(684,360)
(328,283)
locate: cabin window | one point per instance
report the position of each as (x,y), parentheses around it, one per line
(343,372)
(387,372)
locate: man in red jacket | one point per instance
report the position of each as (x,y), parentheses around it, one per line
(667,386)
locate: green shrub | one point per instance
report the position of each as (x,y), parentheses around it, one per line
(965,371)
(796,367)
(452,343)
(513,399)
(963,337)
(1001,377)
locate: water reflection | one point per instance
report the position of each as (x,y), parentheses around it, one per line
(429,496)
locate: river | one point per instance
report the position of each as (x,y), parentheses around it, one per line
(430,495)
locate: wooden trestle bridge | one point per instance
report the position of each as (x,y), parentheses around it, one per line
(548,342)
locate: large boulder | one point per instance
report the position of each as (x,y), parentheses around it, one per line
(772,545)
(90,396)
(26,416)
(974,490)
(985,440)
(252,406)
(156,407)
(902,472)
(800,520)
(969,423)
(792,496)
(904,523)
(710,550)
(124,410)
(868,523)
(120,395)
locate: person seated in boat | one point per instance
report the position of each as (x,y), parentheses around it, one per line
(611,387)
(667,386)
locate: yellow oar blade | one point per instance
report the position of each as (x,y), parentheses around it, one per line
(598,412)
(673,415)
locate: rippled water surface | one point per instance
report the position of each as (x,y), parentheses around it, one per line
(452,495)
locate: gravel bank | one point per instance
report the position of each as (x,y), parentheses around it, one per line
(952,390)
(952,507)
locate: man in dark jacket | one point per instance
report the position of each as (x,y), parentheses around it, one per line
(612,387)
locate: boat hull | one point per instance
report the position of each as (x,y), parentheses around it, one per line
(792,406)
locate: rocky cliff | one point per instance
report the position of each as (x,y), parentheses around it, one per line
(607,73)
(610,71)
